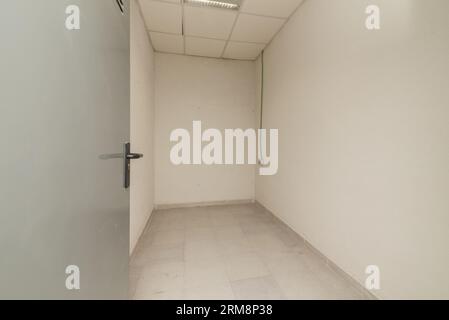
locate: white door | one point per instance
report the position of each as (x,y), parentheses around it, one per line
(64,119)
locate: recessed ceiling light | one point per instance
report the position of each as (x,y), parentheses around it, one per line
(222,4)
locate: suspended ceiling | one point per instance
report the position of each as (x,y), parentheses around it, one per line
(182,28)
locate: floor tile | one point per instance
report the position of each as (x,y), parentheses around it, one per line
(288,237)
(264,288)
(219,220)
(286,263)
(269,244)
(244,209)
(163,253)
(199,219)
(227,233)
(222,210)
(234,247)
(300,286)
(135,271)
(132,285)
(168,237)
(229,252)
(258,228)
(199,250)
(205,234)
(168,221)
(245,266)
(221,291)
(160,278)
(206,272)
(176,294)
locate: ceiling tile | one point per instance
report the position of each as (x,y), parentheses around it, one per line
(251,28)
(208,22)
(204,47)
(243,50)
(272,8)
(166,42)
(162,16)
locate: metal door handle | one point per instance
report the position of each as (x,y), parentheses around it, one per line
(134,156)
(128,156)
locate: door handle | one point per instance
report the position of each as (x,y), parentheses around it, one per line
(134,156)
(127,157)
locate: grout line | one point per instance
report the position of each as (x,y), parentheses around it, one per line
(249,42)
(167,33)
(206,38)
(264,16)
(232,30)
(204,57)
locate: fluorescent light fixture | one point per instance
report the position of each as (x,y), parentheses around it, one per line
(222,4)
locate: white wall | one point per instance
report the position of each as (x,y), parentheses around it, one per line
(142,125)
(220,93)
(364,138)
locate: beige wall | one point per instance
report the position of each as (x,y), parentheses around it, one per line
(364,138)
(220,93)
(142,125)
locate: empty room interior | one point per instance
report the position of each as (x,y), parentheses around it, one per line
(341,110)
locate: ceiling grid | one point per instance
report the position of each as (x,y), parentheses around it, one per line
(176,26)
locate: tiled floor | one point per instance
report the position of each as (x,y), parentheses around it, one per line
(228,252)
